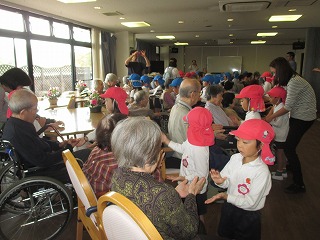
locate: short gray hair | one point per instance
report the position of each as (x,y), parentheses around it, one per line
(139,96)
(135,142)
(21,99)
(111,77)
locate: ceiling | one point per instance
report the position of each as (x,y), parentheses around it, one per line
(203,18)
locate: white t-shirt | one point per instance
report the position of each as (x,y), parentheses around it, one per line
(280,125)
(194,161)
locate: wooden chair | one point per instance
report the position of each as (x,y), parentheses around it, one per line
(86,199)
(168,171)
(122,219)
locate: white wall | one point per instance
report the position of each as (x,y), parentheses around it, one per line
(254,58)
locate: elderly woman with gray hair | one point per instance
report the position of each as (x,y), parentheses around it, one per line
(162,203)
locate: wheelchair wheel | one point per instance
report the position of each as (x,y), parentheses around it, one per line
(34,208)
(7,176)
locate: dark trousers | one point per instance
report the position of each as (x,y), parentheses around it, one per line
(236,223)
(296,131)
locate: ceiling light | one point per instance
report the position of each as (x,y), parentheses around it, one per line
(274,26)
(181,43)
(152,31)
(258,42)
(135,24)
(268,34)
(230,19)
(231,42)
(121,18)
(230,35)
(292,10)
(284,18)
(97,8)
(166,37)
(205,43)
(197,36)
(180,22)
(76,1)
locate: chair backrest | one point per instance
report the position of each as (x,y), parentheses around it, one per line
(80,183)
(123,219)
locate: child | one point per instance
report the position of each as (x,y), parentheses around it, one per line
(195,151)
(281,128)
(247,179)
(252,101)
(207,80)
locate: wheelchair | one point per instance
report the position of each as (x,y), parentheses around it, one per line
(31,207)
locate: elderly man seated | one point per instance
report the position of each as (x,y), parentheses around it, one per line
(33,150)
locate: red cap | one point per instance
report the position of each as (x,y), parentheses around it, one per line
(181,73)
(120,96)
(255,94)
(279,92)
(257,129)
(190,74)
(266,74)
(200,132)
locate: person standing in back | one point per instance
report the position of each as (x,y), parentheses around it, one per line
(134,66)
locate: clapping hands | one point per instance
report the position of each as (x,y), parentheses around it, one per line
(194,187)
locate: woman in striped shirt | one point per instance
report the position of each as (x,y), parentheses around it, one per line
(301,103)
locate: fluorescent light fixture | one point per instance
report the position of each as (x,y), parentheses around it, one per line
(197,36)
(181,43)
(135,24)
(284,18)
(230,19)
(274,26)
(166,37)
(292,10)
(230,35)
(235,70)
(152,30)
(180,22)
(121,18)
(258,42)
(75,1)
(268,34)
(97,8)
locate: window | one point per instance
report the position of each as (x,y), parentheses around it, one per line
(83,63)
(39,26)
(54,55)
(11,21)
(61,30)
(82,35)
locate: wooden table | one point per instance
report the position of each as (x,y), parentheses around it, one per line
(44,104)
(76,121)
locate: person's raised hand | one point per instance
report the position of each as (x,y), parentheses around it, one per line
(196,185)
(143,53)
(218,196)
(216,177)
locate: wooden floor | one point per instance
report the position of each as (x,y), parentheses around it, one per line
(285,216)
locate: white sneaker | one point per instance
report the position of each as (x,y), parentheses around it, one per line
(276,177)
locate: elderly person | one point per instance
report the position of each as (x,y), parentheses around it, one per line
(33,150)
(162,203)
(111,80)
(98,85)
(139,106)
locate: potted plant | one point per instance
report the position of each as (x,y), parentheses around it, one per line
(95,102)
(52,94)
(81,85)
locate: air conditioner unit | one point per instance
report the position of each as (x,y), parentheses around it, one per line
(243,6)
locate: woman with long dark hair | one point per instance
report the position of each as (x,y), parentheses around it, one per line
(301,103)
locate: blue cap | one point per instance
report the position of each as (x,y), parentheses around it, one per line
(145,79)
(157,77)
(236,74)
(176,82)
(136,83)
(161,81)
(134,76)
(208,78)
(218,78)
(228,75)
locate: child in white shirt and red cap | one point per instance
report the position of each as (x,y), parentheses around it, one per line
(195,151)
(281,128)
(252,101)
(247,179)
